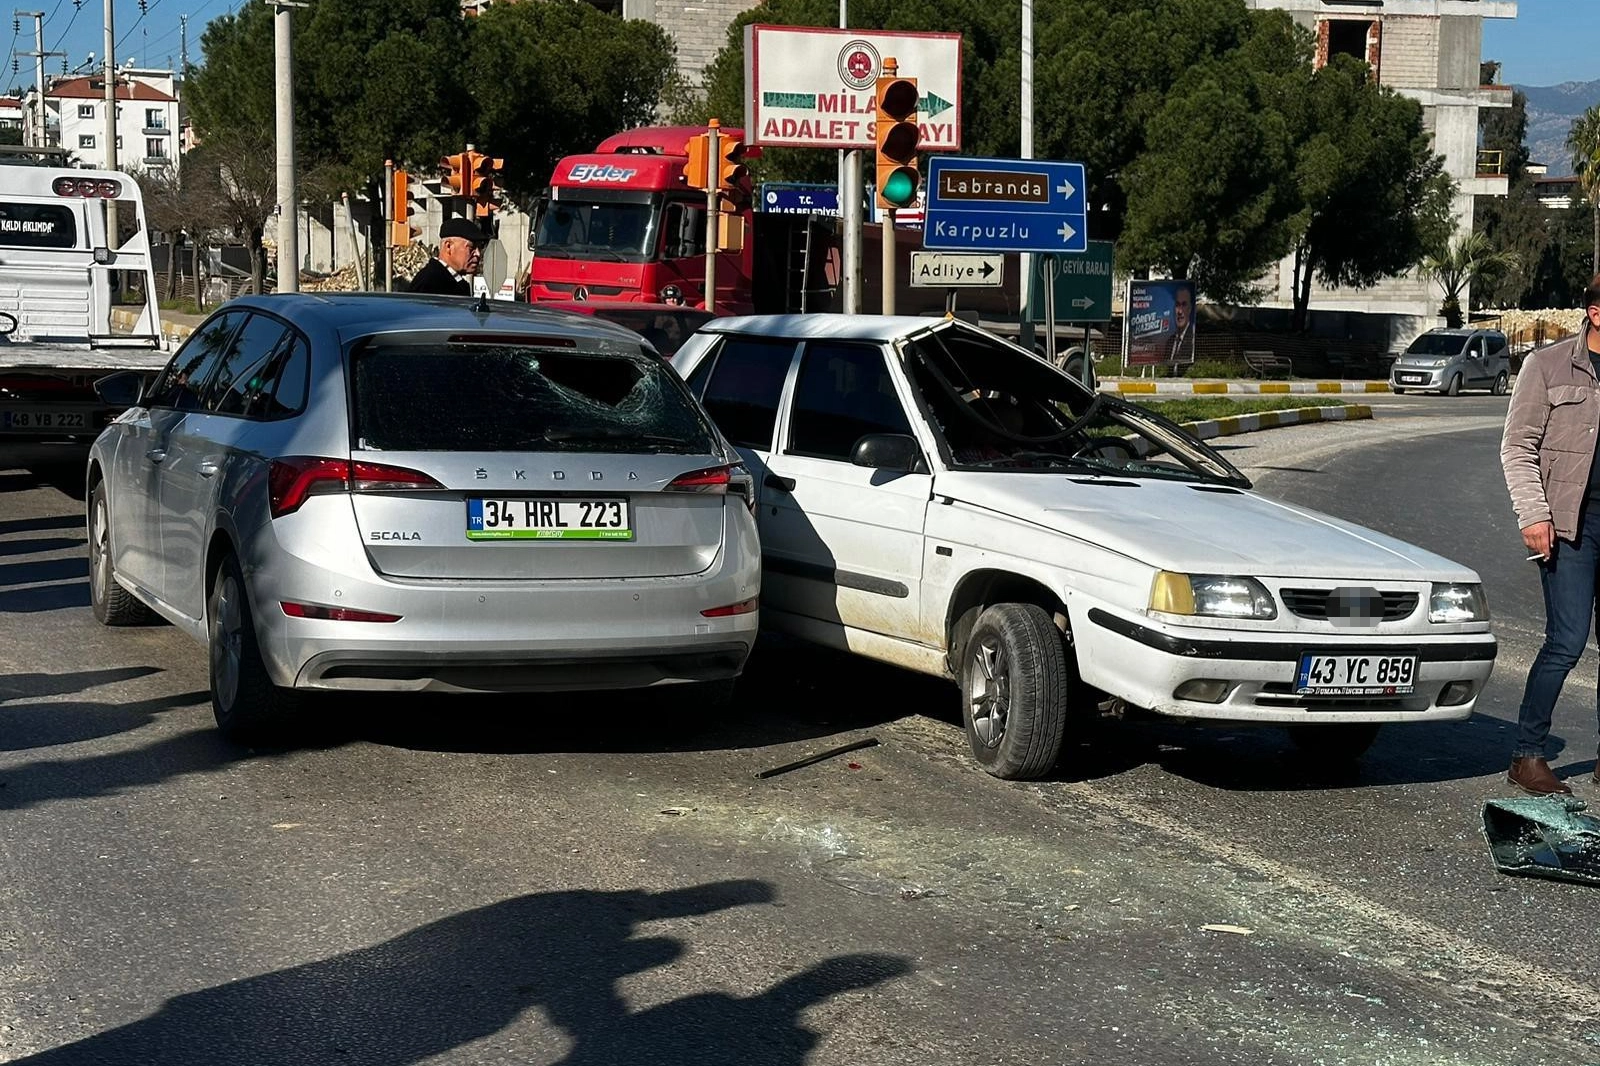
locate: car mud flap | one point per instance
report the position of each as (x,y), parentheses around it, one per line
(1544,837)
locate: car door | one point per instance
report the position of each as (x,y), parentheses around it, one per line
(198,448)
(740,384)
(182,393)
(841,544)
(131,490)
(1473,370)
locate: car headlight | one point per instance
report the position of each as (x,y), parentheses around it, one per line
(1458,603)
(1439,362)
(1212,595)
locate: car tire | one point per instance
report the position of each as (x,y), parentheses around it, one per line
(1454,388)
(248,707)
(1014,691)
(1501,384)
(1335,743)
(112,604)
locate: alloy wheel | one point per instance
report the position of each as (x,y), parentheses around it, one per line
(989,692)
(227,640)
(99,551)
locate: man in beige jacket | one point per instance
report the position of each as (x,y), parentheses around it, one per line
(1548,453)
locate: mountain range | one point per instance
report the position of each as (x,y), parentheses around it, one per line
(1551,111)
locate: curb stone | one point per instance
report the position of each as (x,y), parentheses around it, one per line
(1235,424)
(1244,388)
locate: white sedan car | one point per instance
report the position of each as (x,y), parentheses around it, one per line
(932,496)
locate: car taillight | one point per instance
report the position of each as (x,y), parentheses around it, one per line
(334,614)
(295,477)
(742,607)
(718,480)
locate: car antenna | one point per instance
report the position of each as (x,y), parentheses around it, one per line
(482,306)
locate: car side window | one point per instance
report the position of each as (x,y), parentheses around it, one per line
(1497,345)
(279,388)
(844,392)
(181,385)
(252,346)
(745,386)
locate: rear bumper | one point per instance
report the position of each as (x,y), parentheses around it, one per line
(488,635)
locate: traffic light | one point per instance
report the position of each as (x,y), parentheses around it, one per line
(733,177)
(697,170)
(401,231)
(897,136)
(481,188)
(459,176)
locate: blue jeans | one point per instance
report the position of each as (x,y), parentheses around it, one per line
(1569,604)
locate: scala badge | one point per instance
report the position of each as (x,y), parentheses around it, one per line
(583,173)
(858,65)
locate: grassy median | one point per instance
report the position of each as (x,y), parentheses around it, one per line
(1205,408)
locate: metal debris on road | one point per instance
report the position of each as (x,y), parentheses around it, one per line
(870,742)
(1237,930)
(1543,837)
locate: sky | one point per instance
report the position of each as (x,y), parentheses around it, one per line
(1549,42)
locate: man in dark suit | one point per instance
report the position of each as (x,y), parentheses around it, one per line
(460,256)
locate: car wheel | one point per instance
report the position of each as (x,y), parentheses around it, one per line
(1501,384)
(1335,743)
(1454,388)
(1014,684)
(112,604)
(247,705)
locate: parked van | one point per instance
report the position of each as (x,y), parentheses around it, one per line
(1449,360)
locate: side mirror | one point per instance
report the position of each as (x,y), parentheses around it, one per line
(887,451)
(122,389)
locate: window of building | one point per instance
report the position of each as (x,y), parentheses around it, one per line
(1348,37)
(86,111)
(155,148)
(85,140)
(155,118)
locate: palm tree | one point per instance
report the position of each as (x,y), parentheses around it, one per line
(1583,141)
(1460,265)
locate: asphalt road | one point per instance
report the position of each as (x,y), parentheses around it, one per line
(538,880)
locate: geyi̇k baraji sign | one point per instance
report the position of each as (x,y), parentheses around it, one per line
(811,87)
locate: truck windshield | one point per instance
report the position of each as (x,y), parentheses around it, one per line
(581,230)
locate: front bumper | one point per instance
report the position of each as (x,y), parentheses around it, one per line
(1145,664)
(1416,377)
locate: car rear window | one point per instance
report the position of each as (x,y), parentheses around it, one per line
(512,397)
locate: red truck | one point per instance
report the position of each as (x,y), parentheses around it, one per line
(622,223)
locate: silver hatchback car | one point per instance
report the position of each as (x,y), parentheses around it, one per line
(1449,360)
(412,493)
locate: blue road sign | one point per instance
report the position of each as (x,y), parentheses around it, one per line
(1005,205)
(795,199)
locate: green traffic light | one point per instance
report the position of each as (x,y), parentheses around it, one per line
(900,188)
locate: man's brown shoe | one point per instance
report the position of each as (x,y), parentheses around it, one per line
(1535,776)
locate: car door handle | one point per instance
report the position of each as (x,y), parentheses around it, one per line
(156,455)
(773,481)
(208,468)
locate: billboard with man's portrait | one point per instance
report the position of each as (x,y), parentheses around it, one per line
(1158,327)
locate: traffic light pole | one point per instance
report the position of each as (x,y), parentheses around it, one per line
(888,260)
(387,223)
(713,143)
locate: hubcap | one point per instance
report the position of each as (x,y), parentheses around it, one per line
(227,638)
(989,692)
(99,552)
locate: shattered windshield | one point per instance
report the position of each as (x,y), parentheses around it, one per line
(576,229)
(996,407)
(502,397)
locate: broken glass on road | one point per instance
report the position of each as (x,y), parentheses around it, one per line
(1544,837)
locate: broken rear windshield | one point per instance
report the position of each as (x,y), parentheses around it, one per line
(482,397)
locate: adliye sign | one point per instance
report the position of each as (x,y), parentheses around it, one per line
(811,87)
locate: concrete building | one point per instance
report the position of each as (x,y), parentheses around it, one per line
(13,114)
(1430,51)
(148,118)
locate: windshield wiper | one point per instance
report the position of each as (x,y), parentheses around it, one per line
(553,253)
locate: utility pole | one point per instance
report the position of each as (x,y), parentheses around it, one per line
(41,132)
(113,234)
(1025,261)
(850,211)
(713,209)
(183,48)
(283,84)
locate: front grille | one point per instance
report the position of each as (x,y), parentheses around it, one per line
(1313,603)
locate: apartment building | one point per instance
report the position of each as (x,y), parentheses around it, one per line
(1430,51)
(147,122)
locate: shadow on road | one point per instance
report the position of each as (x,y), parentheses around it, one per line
(65,476)
(39,545)
(36,686)
(67,569)
(471,975)
(40,598)
(34,525)
(42,725)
